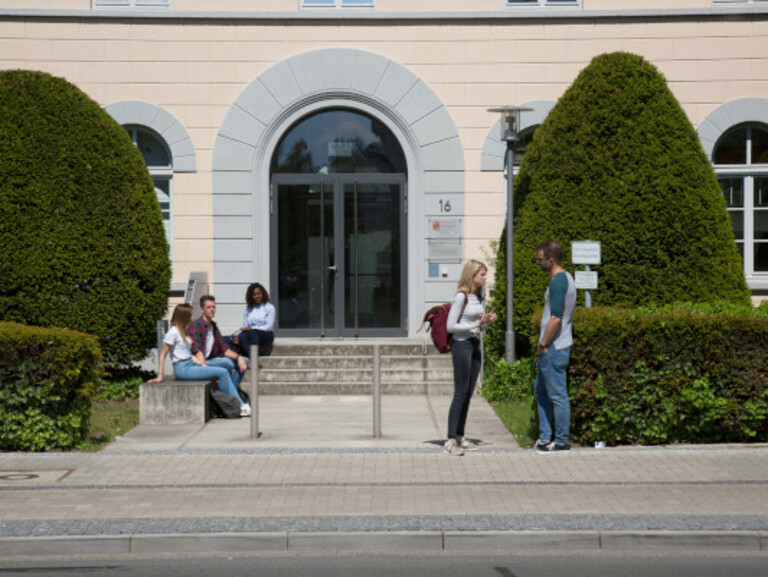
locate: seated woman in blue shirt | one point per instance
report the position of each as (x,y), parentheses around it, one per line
(258,320)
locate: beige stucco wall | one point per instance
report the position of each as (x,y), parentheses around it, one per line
(196,71)
(380,5)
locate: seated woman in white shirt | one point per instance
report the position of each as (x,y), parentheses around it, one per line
(187,367)
(258,320)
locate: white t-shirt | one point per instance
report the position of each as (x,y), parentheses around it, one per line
(180,351)
(209,340)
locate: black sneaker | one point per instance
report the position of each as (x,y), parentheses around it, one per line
(558,447)
(541,445)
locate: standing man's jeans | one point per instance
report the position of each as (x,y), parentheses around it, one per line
(466,368)
(551,394)
(216,369)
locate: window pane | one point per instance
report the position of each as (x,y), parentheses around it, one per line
(761,257)
(153,151)
(737,223)
(522,1)
(732,148)
(761,225)
(334,141)
(761,192)
(521,146)
(759,146)
(357,2)
(162,190)
(113,2)
(733,191)
(153,2)
(318,2)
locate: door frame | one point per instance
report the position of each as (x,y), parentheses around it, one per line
(336,183)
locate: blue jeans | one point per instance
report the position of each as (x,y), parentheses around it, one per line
(222,369)
(466,368)
(551,394)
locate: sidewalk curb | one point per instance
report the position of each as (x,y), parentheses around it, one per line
(428,541)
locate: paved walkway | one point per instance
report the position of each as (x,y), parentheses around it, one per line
(316,478)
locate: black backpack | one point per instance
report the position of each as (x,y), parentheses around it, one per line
(225,406)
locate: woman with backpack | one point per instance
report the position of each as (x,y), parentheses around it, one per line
(465,321)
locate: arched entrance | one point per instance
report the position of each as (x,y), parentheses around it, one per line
(338,227)
(259,119)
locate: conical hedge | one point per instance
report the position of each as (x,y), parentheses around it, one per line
(80,226)
(618,161)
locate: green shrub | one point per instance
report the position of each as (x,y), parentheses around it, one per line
(122,383)
(507,382)
(82,234)
(670,376)
(47,377)
(618,161)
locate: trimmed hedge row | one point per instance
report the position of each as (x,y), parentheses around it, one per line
(664,376)
(47,377)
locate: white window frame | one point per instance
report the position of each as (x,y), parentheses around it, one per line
(543,4)
(132,4)
(748,173)
(739,1)
(158,173)
(337,4)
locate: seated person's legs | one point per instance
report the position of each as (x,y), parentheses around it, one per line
(254,337)
(189,371)
(231,366)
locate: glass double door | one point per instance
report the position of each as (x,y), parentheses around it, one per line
(338,255)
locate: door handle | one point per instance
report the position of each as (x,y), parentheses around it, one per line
(333,268)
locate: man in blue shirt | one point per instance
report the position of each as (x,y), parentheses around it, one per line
(554,350)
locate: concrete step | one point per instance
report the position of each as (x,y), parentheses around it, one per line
(359,388)
(355,348)
(360,362)
(320,367)
(350,375)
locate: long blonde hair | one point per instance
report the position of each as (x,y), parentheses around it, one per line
(466,282)
(182,316)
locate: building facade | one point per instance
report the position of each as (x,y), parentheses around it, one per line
(341,152)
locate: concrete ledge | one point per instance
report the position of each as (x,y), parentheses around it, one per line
(522,540)
(209,543)
(174,543)
(175,402)
(680,541)
(82,545)
(368,541)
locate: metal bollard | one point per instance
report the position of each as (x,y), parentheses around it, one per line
(254,392)
(376,392)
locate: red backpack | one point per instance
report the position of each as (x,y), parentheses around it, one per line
(437,319)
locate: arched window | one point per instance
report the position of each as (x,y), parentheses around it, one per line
(158,160)
(741,162)
(339,141)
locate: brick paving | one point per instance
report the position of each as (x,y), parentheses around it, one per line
(215,479)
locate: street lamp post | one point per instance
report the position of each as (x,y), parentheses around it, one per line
(510,124)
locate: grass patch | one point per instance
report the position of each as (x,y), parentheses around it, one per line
(519,417)
(109,420)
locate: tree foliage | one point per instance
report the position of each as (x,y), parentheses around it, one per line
(81,229)
(618,161)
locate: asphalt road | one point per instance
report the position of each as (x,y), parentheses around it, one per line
(534,564)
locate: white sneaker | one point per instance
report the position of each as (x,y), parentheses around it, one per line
(245,410)
(451,447)
(467,445)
